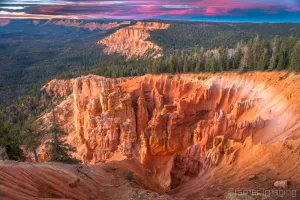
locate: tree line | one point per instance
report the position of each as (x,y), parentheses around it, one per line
(258,54)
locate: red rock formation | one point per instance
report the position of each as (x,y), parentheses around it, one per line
(28,181)
(130,41)
(188,164)
(149,117)
(200,135)
(80,24)
(193,162)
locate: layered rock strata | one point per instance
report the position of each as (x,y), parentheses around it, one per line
(131,41)
(92,26)
(198,120)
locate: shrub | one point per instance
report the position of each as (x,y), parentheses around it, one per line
(129,175)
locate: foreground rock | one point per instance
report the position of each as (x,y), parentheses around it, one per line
(27,181)
(281,184)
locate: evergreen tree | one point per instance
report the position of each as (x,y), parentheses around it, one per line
(244,61)
(281,57)
(171,64)
(264,59)
(249,64)
(295,58)
(274,58)
(185,65)
(212,63)
(10,140)
(223,57)
(197,68)
(31,136)
(257,51)
(237,57)
(58,148)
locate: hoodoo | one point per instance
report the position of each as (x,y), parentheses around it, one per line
(188,123)
(190,134)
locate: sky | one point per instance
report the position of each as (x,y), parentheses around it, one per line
(198,10)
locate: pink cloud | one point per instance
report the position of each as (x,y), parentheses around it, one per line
(150,9)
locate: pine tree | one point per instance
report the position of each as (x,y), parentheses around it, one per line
(274,58)
(58,148)
(9,139)
(264,59)
(244,61)
(223,57)
(185,65)
(295,58)
(249,64)
(281,57)
(31,136)
(171,64)
(212,63)
(197,68)
(257,51)
(237,58)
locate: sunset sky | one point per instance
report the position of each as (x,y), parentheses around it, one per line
(209,10)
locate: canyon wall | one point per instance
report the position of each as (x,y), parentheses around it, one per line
(131,41)
(193,120)
(81,24)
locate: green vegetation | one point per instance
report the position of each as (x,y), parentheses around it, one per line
(129,175)
(32,55)
(9,139)
(280,53)
(59,150)
(209,35)
(31,136)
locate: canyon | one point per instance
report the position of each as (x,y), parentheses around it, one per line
(81,24)
(194,136)
(131,41)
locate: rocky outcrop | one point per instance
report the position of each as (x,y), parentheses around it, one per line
(281,184)
(131,41)
(201,122)
(193,162)
(189,164)
(20,181)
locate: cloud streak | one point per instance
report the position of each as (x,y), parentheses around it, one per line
(267,10)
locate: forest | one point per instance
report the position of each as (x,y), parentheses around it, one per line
(280,53)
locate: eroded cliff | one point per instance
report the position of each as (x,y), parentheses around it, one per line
(81,24)
(131,41)
(180,127)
